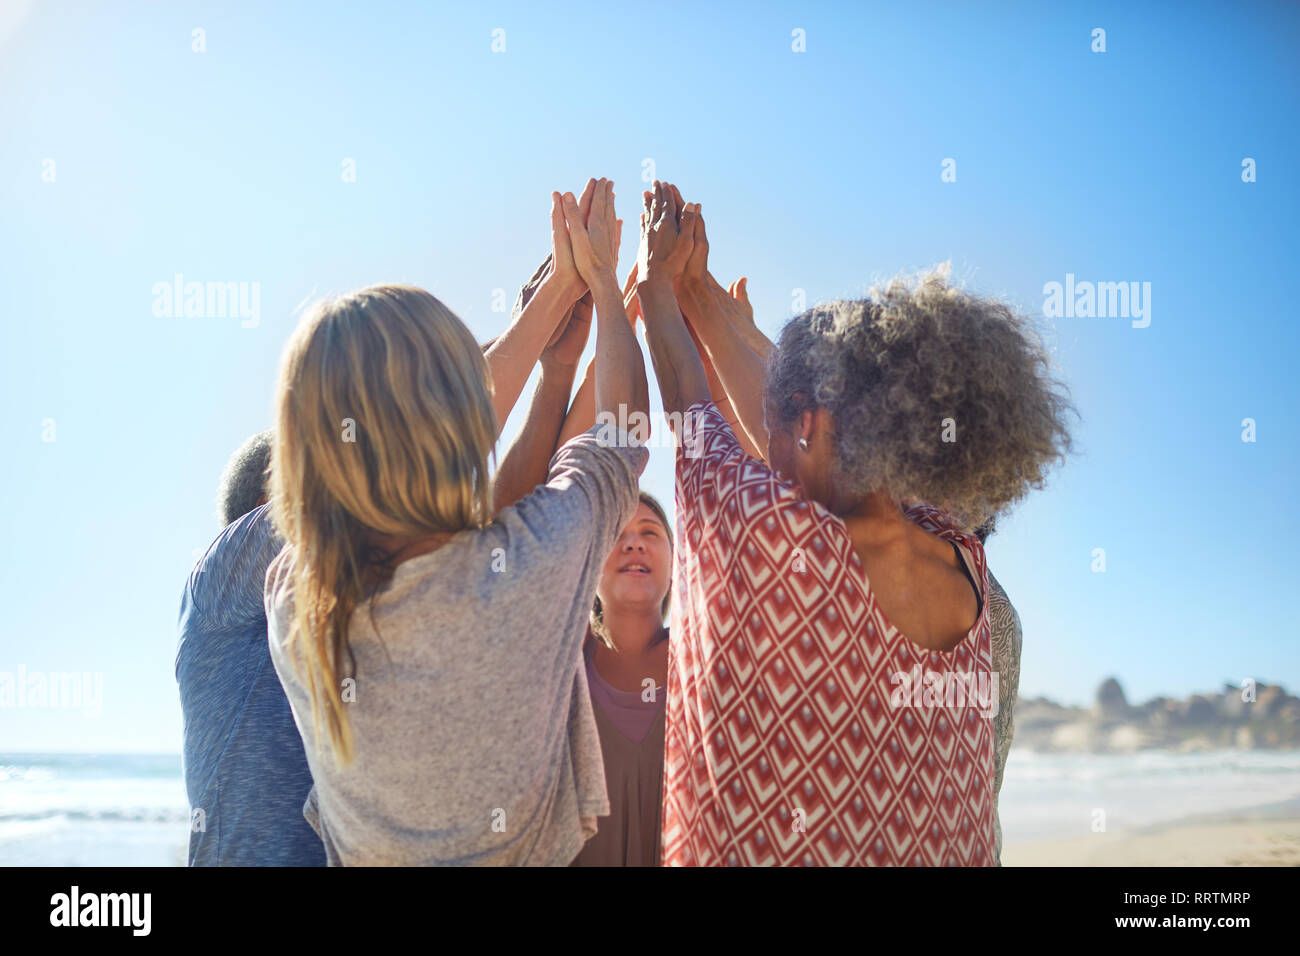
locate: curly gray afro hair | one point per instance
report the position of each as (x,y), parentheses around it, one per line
(915,363)
(243,483)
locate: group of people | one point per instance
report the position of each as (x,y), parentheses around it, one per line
(394,654)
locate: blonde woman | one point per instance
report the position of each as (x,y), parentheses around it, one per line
(431,649)
(627,668)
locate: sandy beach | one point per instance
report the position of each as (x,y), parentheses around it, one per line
(1267,836)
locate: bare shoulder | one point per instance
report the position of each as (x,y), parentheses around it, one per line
(923,590)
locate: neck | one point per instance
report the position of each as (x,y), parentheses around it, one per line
(873,516)
(404,547)
(632,629)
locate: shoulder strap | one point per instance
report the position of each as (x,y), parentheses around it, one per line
(979,598)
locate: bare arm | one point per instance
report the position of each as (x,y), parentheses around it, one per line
(723,322)
(665,246)
(525,464)
(620,370)
(720,399)
(582,413)
(513,353)
(736,306)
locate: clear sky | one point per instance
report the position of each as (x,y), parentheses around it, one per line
(818,171)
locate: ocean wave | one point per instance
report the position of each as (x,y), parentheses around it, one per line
(25,829)
(1150,765)
(22,825)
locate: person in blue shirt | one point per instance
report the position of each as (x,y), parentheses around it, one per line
(245,770)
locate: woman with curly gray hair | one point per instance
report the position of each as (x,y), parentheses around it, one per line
(830,683)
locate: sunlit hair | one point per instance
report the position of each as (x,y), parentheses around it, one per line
(385,424)
(597,620)
(917,362)
(244,482)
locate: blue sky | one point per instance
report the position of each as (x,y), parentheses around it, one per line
(818,171)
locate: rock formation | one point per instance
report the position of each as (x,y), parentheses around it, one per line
(1249,717)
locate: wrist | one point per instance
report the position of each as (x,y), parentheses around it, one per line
(689,283)
(606,284)
(558,371)
(565,289)
(656,284)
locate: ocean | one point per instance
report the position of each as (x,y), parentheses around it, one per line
(130,810)
(92,810)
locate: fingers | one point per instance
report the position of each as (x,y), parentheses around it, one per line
(561,240)
(671,208)
(558,227)
(584,204)
(659,208)
(577,227)
(687,223)
(569,206)
(701,237)
(607,211)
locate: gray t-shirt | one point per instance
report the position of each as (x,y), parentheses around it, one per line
(474,740)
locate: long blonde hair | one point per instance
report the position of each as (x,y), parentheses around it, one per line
(384,424)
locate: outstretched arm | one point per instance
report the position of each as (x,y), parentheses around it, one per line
(720,399)
(524,466)
(513,353)
(582,413)
(723,321)
(665,245)
(620,370)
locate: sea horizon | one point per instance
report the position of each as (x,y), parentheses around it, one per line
(130,809)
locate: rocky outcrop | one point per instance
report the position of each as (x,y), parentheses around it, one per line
(1258,716)
(1111,702)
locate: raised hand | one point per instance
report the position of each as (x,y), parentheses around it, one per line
(564,270)
(667,232)
(741,309)
(595,235)
(697,264)
(529,288)
(698,291)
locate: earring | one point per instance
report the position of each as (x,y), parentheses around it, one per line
(803,444)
